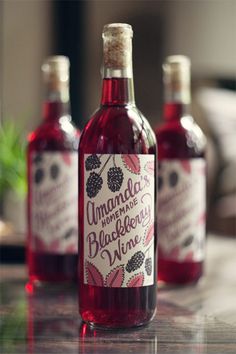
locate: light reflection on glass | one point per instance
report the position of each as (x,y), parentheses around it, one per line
(66,125)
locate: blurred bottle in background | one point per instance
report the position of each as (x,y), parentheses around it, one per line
(181,178)
(53,182)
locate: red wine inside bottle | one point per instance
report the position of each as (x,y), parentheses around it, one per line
(117,198)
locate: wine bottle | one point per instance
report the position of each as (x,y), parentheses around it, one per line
(181,180)
(117,196)
(52,247)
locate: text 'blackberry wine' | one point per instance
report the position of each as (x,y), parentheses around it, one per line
(53,182)
(117,198)
(181,181)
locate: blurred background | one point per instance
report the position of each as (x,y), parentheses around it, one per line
(32,30)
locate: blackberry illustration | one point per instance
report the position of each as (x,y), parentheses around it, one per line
(39,176)
(173,179)
(148,266)
(38,159)
(160,182)
(93,184)
(54,171)
(92,162)
(135,262)
(115,178)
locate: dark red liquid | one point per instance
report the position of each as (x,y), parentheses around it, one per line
(116,128)
(177,140)
(50,136)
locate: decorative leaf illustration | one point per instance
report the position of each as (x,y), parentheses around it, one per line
(136,281)
(174,253)
(66,158)
(186,166)
(72,248)
(132,163)
(202,170)
(149,235)
(202,218)
(40,245)
(54,245)
(189,257)
(150,168)
(115,278)
(94,277)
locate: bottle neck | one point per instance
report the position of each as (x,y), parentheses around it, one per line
(56,104)
(117,71)
(174,111)
(117,91)
(177,99)
(54,110)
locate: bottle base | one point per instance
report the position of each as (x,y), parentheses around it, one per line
(176,273)
(52,268)
(38,280)
(99,320)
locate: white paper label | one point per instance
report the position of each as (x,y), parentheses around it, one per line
(119,220)
(181,209)
(54,209)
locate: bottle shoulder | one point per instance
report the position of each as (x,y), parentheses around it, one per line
(118,129)
(182,138)
(59,135)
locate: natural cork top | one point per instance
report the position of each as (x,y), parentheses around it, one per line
(177,78)
(117,45)
(177,66)
(56,76)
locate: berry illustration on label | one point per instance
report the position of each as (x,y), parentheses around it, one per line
(95,181)
(119,227)
(148,266)
(92,162)
(135,262)
(114,178)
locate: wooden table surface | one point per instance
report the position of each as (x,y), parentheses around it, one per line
(191,319)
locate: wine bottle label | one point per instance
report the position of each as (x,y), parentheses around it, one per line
(119,198)
(54,200)
(181,209)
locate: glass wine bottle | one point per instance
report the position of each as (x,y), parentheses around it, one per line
(53,182)
(117,228)
(181,180)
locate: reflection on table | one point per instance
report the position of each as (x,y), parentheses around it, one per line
(193,319)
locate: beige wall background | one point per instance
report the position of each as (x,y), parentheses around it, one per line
(204,30)
(26,40)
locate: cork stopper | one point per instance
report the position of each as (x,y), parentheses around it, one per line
(177,66)
(117,46)
(177,78)
(56,76)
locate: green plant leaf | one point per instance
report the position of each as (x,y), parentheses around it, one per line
(12,159)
